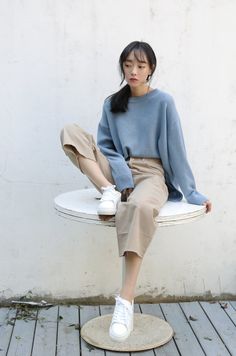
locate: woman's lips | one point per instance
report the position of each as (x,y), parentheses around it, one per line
(133,79)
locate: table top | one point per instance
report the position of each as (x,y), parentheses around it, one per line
(81,205)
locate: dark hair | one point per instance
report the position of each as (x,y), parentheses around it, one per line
(119,100)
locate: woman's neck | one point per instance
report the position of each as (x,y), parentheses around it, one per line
(140,91)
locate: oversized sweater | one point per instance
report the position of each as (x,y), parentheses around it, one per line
(150,128)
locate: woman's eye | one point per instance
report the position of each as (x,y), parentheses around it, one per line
(127,65)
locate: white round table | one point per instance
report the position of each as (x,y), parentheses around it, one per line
(149,331)
(81,205)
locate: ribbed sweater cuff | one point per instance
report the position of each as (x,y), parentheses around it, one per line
(124,182)
(196,198)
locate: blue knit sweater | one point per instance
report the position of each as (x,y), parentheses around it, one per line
(149,128)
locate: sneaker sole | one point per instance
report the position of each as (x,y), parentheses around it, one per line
(119,339)
(106,212)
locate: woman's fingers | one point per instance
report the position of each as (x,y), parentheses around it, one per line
(208,206)
(125,194)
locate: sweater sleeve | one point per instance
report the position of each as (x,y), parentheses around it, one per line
(120,171)
(178,158)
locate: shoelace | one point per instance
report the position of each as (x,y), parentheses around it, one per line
(120,313)
(107,193)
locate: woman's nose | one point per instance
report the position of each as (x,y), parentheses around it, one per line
(134,70)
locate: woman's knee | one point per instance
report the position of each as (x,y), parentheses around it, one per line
(70,130)
(73,135)
(66,131)
(68,142)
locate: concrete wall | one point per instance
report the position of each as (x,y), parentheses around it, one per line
(58,63)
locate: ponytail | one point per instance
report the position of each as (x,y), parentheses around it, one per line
(119,100)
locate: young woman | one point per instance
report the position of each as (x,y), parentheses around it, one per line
(139,163)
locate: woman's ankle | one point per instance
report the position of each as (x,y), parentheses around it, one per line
(129,297)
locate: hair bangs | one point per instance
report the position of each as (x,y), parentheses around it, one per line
(140,55)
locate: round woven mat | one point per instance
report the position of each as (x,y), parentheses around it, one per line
(149,332)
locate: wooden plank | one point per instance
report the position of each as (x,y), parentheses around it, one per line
(233,304)
(222,323)
(203,329)
(137,308)
(88,312)
(143,353)
(186,331)
(7,321)
(184,337)
(150,352)
(169,348)
(46,332)
(23,332)
(230,311)
(109,309)
(68,342)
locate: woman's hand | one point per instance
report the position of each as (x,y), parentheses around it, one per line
(126,193)
(208,206)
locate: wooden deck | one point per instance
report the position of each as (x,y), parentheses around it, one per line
(201,328)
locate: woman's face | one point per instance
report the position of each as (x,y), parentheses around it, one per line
(136,70)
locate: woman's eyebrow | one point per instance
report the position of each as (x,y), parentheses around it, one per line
(131,61)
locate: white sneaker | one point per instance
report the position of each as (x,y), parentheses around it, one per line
(109,200)
(122,320)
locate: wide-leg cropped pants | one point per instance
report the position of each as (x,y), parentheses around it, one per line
(135,219)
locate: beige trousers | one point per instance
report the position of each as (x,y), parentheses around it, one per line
(135,219)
